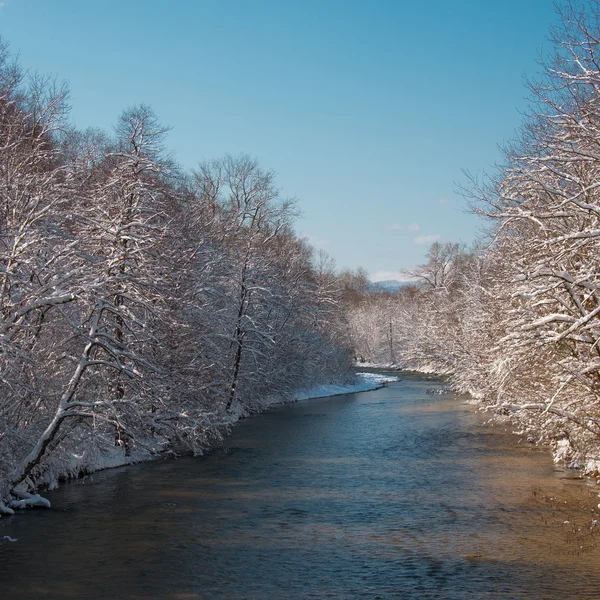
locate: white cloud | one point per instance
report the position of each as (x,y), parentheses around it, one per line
(444,201)
(397,227)
(426,239)
(389,276)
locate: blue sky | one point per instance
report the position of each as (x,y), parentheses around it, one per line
(368,111)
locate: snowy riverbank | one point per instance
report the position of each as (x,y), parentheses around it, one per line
(423,368)
(364,383)
(87,464)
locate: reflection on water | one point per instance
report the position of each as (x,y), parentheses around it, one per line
(388,494)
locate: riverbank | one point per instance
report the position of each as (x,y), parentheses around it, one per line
(219,430)
(367,381)
(424,369)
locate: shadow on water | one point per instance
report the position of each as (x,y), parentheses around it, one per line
(396,493)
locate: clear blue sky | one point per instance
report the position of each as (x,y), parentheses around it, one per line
(368,111)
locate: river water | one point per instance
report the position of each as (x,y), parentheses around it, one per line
(394,493)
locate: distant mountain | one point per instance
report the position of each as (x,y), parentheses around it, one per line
(391,285)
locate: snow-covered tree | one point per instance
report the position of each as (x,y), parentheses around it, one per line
(141,309)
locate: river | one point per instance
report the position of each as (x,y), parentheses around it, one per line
(393,493)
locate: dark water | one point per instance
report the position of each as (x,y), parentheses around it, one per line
(388,494)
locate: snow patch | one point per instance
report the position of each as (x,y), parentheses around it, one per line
(29,500)
(562,450)
(364,382)
(592,466)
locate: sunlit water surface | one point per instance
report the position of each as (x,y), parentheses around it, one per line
(395,493)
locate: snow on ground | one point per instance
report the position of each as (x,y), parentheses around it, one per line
(424,368)
(27,500)
(364,382)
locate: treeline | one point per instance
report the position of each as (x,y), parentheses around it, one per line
(516,321)
(141,307)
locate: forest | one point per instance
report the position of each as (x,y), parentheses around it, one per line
(143,309)
(514,320)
